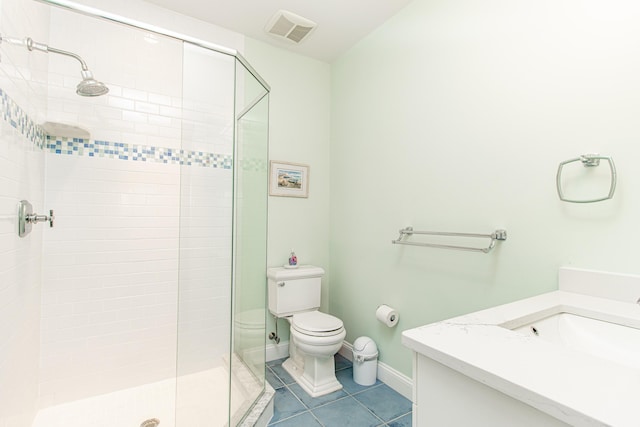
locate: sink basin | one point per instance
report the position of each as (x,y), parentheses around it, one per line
(607,340)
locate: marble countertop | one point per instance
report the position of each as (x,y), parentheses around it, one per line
(575,387)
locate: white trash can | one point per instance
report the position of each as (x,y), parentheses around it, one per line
(365,361)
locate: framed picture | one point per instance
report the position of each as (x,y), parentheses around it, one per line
(288,179)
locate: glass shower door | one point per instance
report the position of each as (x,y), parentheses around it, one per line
(223,227)
(250,244)
(206,217)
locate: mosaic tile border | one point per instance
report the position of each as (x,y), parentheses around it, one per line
(13,114)
(253,165)
(142,153)
(20,120)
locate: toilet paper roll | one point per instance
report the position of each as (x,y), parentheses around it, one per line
(387,315)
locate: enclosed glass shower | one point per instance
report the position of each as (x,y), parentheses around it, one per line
(143,303)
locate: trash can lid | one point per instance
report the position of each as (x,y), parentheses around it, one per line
(365,346)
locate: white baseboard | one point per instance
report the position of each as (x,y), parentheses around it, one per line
(346,351)
(277,351)
(394,379)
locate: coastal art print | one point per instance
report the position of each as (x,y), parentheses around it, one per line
(288,179)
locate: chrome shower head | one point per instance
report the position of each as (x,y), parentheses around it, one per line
(87,87)
(90,86)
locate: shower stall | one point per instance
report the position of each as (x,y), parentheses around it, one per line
(134,293)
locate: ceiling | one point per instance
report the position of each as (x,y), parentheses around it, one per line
(340,23)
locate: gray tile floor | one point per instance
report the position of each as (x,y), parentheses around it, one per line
(354,405)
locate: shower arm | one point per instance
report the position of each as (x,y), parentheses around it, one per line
(32,45)
(87,87)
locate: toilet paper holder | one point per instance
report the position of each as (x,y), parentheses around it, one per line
(387,315)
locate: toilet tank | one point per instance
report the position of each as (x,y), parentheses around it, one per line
(294,290)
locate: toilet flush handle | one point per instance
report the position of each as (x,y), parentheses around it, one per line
(281,284)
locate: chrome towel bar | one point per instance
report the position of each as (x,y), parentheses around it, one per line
(408,231)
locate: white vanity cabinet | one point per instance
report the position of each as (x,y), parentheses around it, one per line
(445,397)
(502,366)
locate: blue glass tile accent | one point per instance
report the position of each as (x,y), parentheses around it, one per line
(253,164)
(13,114)
(122,151)
(18,119)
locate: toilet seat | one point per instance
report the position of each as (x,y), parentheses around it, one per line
(317,324)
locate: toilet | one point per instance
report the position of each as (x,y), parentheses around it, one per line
(315,337)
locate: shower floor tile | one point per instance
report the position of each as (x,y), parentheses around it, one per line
(354,405)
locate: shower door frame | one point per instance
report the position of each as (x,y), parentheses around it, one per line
(97,13)
(256,409)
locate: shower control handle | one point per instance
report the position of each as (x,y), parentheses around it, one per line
(26,218)
(35,218)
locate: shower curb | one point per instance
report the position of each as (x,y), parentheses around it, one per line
(262,411)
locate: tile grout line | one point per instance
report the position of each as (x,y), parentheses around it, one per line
(370,411)
(296,396)
(398,417)
(369,387)
(285,385)
(347,395)
(382,423)
(316,418)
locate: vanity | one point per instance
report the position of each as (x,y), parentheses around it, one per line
(565,358)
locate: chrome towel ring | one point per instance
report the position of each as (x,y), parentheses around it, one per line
(588,161)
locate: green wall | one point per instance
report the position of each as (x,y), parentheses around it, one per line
(299,130)
(453,116)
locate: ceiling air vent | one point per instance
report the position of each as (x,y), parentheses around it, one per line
(290,26)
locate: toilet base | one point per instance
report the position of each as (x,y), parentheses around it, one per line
(317,377)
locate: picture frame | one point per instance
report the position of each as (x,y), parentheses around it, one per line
(288,179)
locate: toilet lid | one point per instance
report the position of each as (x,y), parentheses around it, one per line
(315,321)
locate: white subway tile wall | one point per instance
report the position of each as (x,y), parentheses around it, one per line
(21,177)
(208,101)
(110,288)
(206,213)
(144,76)
(137,269)
(205,268)
(143,208)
